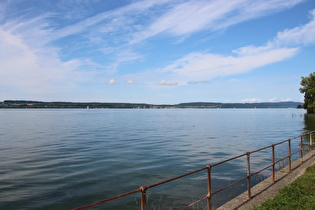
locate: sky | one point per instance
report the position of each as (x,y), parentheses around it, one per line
(158,52)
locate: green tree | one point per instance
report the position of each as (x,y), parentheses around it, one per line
(308,89)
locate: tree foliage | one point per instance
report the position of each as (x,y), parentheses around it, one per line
(308,89)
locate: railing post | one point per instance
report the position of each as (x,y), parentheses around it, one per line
(289,154)
(209,187)
(143,197)
(248,176)
(273,163)
(301,148)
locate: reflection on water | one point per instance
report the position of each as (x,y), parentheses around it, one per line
(309,121)
(61,159)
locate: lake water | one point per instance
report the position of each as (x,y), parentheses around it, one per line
(62,159)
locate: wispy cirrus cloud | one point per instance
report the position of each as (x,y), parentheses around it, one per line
(189,17)
(113,31)
(110,23)
(247,10)
(122,27)
(140,20)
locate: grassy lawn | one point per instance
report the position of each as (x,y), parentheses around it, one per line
(300,194)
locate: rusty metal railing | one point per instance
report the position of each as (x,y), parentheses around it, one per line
(143,189)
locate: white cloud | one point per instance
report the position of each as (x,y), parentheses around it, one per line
(252,100)
(200,66)
(129,82)
(112,82)
(256,100)
(273,99)
(253,50)
(36,70)
(299,35)
(304,34)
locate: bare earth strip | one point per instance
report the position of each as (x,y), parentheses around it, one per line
(266,190)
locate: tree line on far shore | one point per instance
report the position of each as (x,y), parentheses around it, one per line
(95,105)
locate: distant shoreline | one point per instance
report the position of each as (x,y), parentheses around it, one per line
(23,104)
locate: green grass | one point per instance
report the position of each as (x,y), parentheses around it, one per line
(300,194)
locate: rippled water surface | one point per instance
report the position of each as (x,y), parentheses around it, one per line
(61,159)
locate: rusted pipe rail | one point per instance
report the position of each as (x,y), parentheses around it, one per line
(210,194)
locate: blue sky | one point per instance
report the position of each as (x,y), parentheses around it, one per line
(156,52)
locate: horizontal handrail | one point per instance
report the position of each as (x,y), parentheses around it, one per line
(257,172)
(230,185)
(224,161)
(178,177)
(108,199)
(210,194)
